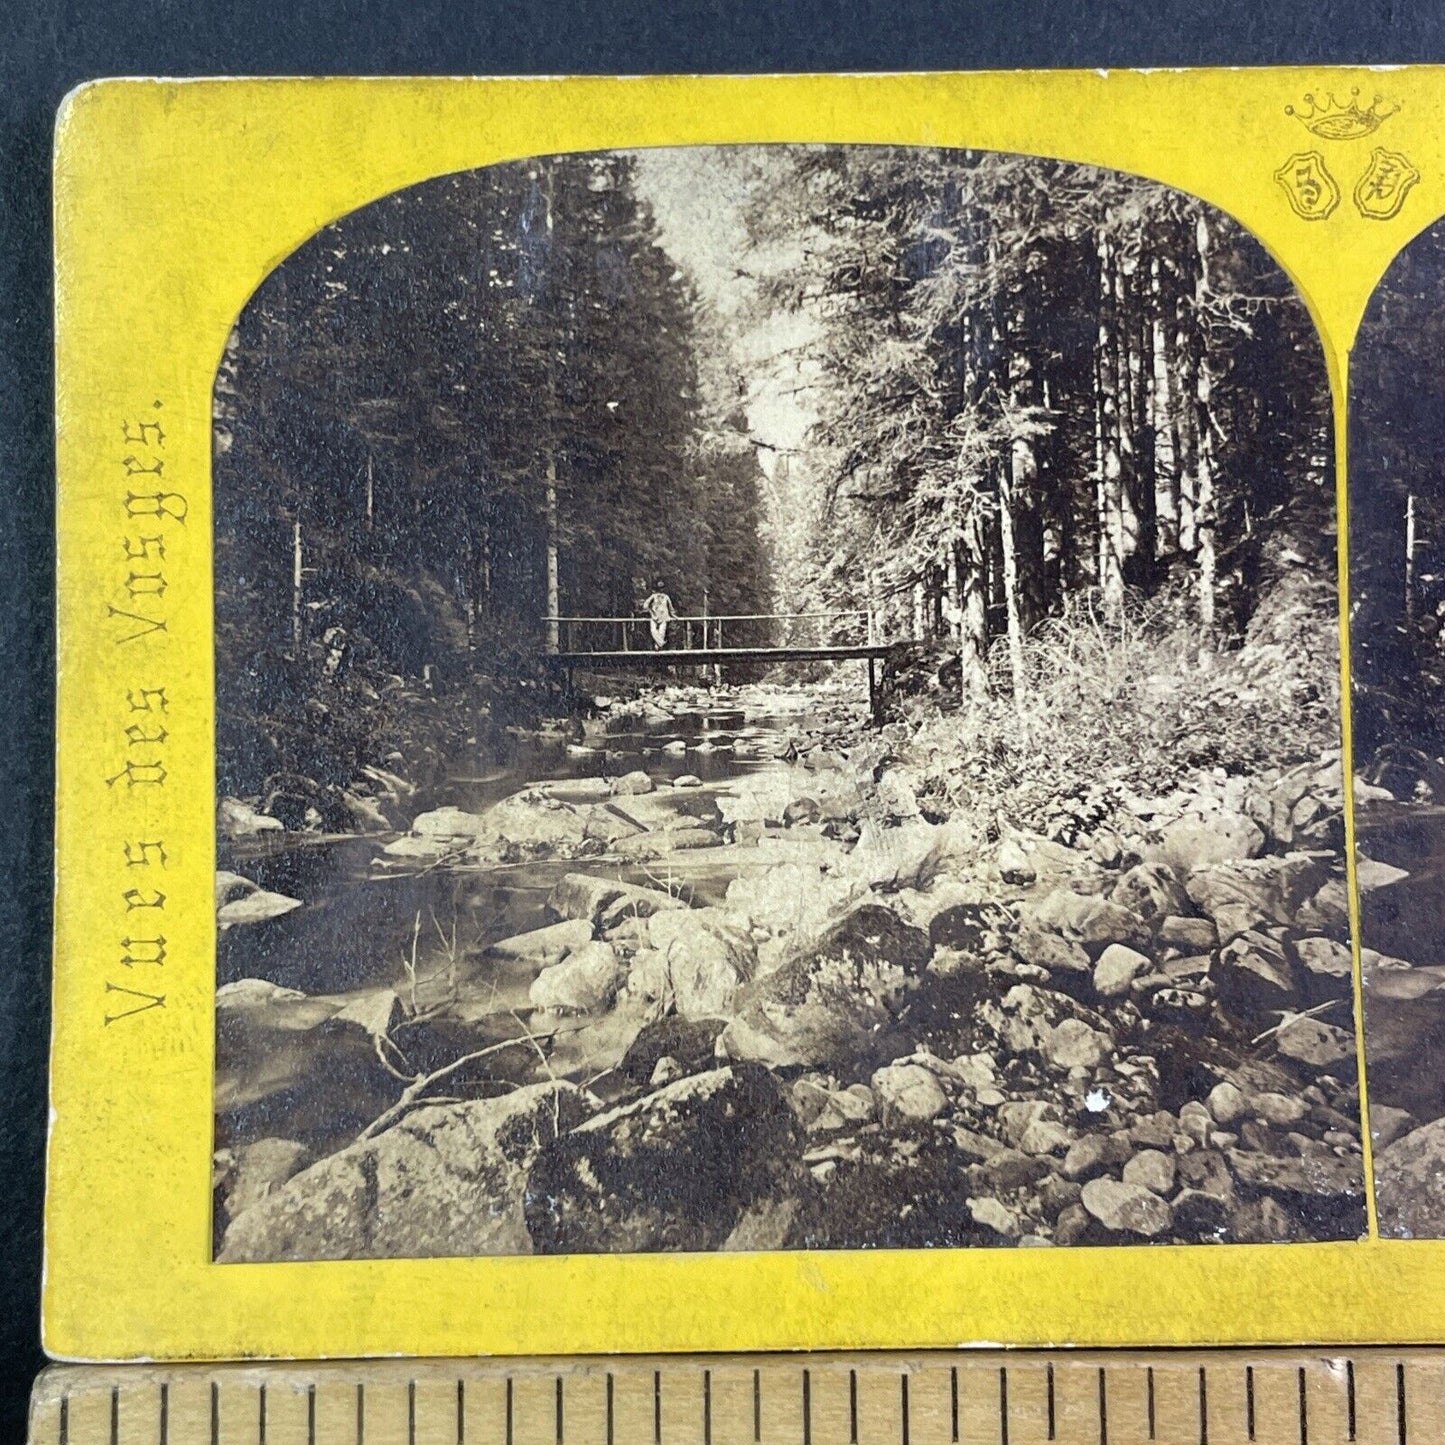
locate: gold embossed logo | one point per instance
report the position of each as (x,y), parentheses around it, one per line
(1308,184)
(1381,190)
(1330,120)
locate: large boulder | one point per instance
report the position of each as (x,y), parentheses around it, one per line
(1249,893)
(1410,1184)
(543,946)
(834,995)
(1087,920)
(1152,890)
(708,956)
(584,982)
(606,902)
(1255,976)
(674,1170)
(788,898)
(447,1180)
(254,1171)
(1198,840)
(1126,1208)
(909,1096)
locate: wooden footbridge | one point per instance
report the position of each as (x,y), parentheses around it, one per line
(626,644)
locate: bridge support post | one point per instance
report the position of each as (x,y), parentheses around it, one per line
(875,693)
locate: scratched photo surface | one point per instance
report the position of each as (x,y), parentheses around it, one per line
(1397,654)
(779,697)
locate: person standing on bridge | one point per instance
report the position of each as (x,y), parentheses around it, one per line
(659,610)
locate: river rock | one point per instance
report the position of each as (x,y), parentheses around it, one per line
(1328,968)
(1331,1185)
(259,1169)
(1200,1215)
(1086,920)
(236,819)
(1319,1046)
(1151,890)
(1092,1155)
(1117,968)
(1226,1103)
(447,1180)
(586,981)
(787,898)
(449,824)
(1410,1184)
(1013,863)
(632,784)
(908,1096)
(1153,1169)
(1247,894)
(708,957)
(258,906)
(1199,840)
(543,946)
(1187,936)
(1255,977)
(1279,1110)
(1126,1208)
(995,1215)
(674,1170)
(1072,1044)
(606,901)
(1328,911)
(687,780)
(1065,961)
(832,995)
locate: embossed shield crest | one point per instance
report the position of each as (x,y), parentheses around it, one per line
(1310,187)
(1381,191)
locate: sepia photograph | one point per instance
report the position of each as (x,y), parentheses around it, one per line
(1397,658)
(788,697)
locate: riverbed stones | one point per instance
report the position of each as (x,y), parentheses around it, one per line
(1255,976)
(1153,1169)
(447,1180)
(584,982)
(449,824)
(1226,1103)
(1328,968)
(1088,920)
(605,901)
(1117,968)
(1410,1183)
(1126,1208)
(1319,1046)
(708,956)
(543,946)
(674,1170)
(1196,841)
(1388,1124)
(1152,890)
(1187,937)
(908,1096)
(1074,1044)
(632,784)
(256,1170)
(1249,893)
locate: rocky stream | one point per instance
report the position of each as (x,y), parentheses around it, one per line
(710,976)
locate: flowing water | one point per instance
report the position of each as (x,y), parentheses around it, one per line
(357,922)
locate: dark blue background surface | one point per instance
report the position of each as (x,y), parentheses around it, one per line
(45,48)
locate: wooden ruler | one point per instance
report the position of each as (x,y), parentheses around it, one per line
(1274,1397)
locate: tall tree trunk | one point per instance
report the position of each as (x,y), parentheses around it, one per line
(1410,564)
(1007,481)
(973,638)
(1111,471)
(1165,422)
(1207,505)
(553,592)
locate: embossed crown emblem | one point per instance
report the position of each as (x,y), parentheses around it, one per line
(1328,118)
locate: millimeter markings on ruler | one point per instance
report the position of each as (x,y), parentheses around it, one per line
(1221,1397)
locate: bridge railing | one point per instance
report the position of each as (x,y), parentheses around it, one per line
(742,630)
